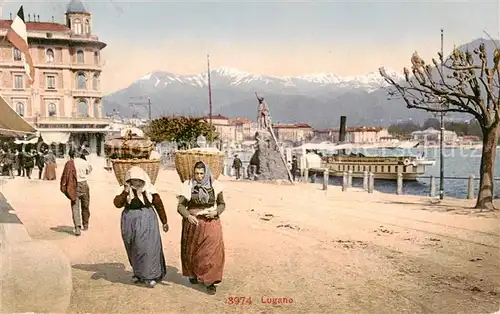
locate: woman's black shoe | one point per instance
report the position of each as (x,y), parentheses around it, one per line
(193,281)
(211,289)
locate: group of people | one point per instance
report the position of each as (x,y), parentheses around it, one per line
(24,161)
(200,203)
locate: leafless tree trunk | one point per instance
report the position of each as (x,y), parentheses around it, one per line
(464,83)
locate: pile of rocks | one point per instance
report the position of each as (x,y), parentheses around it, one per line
(267,160)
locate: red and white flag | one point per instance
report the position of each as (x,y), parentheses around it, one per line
(18,37)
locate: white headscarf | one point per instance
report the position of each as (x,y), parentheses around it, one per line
(148,189)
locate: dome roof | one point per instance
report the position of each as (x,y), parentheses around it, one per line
(76,6)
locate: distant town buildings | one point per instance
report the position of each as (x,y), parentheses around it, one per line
(361,134)
(64,103)
(296,132)
(432,135)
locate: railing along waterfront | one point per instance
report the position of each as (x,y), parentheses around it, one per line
(369,181)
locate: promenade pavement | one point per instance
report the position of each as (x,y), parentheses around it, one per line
(334,252)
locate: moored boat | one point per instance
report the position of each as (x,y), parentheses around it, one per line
(337,161)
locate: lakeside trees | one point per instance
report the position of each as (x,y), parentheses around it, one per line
(465,82)
(182,130)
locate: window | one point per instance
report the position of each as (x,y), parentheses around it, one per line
(52,110)
(18,82)
(87,27)
(81,81)
(96,57)
(49,56)
(17,55)
(97,113)
(95,82)
(83,108)
(78,27)
(50,82)
(80,58)
(20,109)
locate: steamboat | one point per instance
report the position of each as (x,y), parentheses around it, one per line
(385,160)
(333,158)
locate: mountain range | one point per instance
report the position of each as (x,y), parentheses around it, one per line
(318,99)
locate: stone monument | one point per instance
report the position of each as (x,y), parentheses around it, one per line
(267,163)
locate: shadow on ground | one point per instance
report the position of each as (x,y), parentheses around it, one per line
(438,206)
(63,229)
(117,273)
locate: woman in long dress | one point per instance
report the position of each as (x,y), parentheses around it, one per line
(50,166)
(139,226)
(201,202)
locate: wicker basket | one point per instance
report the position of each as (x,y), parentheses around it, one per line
(185,161)
(129,147)
(121,166)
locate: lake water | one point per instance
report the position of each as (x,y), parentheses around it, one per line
(458,162)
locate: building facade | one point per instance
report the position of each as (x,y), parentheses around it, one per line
(223,127)
(64,102)
(432,135)
(297,132)
(362,134)
(244,129)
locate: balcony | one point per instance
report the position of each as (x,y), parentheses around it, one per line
(74,120)
(86,93)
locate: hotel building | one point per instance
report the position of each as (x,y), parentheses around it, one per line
(64,103)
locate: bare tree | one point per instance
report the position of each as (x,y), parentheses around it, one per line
(465,82)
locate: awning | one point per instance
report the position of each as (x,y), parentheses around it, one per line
(55,137)
(12,124)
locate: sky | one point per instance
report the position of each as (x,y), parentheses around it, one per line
(281,38)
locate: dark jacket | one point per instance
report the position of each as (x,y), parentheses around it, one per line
(237,163)
(28,160)
(69,181)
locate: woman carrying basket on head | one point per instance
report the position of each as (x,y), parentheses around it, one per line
(139,225)
(202,247)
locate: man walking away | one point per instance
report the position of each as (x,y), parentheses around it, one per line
(40,163)
(20,163)
(237,164)
(11,158)
(74,186)
(29,163)
(295,167)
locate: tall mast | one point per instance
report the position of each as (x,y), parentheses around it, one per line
(209,94)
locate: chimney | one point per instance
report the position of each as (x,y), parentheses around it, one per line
(38,18)
(52,19)
(11,16)
(342,131)
(29,17)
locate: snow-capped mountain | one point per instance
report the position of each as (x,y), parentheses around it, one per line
(230,77)
(319,99)
(316,98)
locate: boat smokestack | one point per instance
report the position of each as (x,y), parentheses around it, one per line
(342,131)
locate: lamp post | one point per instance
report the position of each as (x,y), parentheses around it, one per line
(441,139)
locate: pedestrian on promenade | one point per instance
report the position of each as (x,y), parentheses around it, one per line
(50,166)
(295,167)
(201,202)
(139,226)
(237,164)
(20,162)
(40,163)
(29,162)
(11,159)
(74,185)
